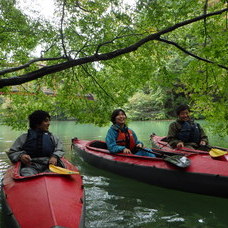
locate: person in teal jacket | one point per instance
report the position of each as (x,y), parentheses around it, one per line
(121,139)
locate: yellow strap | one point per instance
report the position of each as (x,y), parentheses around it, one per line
(60,170)
(216,152)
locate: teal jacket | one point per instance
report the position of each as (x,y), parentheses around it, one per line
(111,138)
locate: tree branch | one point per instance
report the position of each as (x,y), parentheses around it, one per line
(77,4)
(116,38)
(99,57)
(96,82)
(205,22)
(14,69)
(191,54)
(61,30)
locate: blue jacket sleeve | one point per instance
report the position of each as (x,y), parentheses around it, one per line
(111,141)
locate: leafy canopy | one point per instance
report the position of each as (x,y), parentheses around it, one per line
(111,50)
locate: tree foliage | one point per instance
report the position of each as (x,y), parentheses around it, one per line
(112,50)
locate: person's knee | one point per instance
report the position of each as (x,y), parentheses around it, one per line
(28,171)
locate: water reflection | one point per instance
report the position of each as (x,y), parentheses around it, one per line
(116,201)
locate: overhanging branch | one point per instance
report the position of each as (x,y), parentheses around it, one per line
(99,57)
(14,69)
(191,54)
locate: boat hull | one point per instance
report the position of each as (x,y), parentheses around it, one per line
(202,176)
(44,200)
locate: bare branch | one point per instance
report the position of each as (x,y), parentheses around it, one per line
(191,54)
(79,6)
(14,69)
(94,79)
(61,30)
(116,38)
(99,57)
(205,22)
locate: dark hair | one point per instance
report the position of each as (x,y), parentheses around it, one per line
(37,117)
(181,108)
(115,113)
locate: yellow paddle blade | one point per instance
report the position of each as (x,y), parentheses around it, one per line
(60,170)
(216,152)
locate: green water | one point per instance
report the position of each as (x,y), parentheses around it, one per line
(115,201)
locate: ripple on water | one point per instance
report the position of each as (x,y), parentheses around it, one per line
(173,218)
(106,210)
(3,167)
(96,180)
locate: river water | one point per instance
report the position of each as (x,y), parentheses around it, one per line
(115,201)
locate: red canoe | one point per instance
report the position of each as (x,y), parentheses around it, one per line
(44,200)
(161,143)
(204,175)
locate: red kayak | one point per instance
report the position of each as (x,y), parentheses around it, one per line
(161,143)
(43,200)
(204,175)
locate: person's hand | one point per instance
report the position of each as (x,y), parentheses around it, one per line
(202,143)
(25,159)
(180,144)
(126,151)
(53,160)
(139,145)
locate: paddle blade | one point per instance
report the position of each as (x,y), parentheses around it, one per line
(217,153)
(178,160)
(60,170)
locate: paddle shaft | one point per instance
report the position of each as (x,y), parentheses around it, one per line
(220,148)
(198,151)
(191,151)
(176,159)
(161,152)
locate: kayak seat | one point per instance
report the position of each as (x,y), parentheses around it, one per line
(99,144)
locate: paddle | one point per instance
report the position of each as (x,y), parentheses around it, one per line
(217,152)
(212,150)
(220,148)
(60,170)
(177,160)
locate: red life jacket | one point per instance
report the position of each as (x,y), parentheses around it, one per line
(126,139)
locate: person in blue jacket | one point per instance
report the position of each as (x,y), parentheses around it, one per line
(121,139)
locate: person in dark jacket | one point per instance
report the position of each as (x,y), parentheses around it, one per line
(121,139)
(37,148)
(184,132)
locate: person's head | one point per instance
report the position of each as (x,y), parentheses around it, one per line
(183,112)
(118,116)
(39,119)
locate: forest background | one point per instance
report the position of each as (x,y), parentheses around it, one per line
(92,56)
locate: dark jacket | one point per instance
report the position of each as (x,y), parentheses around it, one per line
(17,149)
(189,133)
